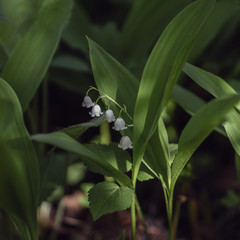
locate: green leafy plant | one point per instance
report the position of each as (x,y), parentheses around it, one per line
(138,99)
(145,102)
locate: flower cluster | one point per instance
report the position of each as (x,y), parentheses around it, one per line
(119,123)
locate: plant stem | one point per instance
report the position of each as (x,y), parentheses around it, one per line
(133,218)
(169,204)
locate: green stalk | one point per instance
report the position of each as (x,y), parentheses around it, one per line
(133,206)
(133,218)
(169,203)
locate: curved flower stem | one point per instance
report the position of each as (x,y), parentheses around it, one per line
(111,99)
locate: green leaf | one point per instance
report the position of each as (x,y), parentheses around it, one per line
(187,100)
(112,154)
(145,173)
(157,156)
(63,141)
(162,71)
(210,82)
(112,78)
(143,25)
(76,130)
(198,128)
(218,88)
(32,55)
(8,37)
(19,176)
(19,14)
(108,197)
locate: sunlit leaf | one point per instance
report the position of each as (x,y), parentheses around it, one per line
(198,128)
(212,83)
(218,88)
(162,71)
(157,156)
(108,197)
(190,102)
(112,78)
(63,141)
(142,27)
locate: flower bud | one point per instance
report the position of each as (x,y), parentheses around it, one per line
(119,124)
(96,111)
(110,115)
(125,143)
(87,102)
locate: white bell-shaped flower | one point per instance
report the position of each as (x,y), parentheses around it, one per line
(87,102)
(125,143)
(119,124)
(96,111)
(110,115)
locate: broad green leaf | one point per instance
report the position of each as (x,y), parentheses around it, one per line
(76,130)
(19,13)
(108,197)
(218,88)
(112,154)
(112,78)
(63,141)
(198,128)
(190,102)
(8,36)
(32,55)
(210,82)
(146,21)
(157,157)
(232,127)
(162,71)
(187,100)
(19,176)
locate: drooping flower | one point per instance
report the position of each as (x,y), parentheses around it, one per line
(125,143)
(87,102)
(110,115)
(96,111)
(119,124)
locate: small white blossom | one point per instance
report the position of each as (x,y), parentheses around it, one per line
(87,102)
(96,111)
(125,143)
(119,124)
(110,115)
